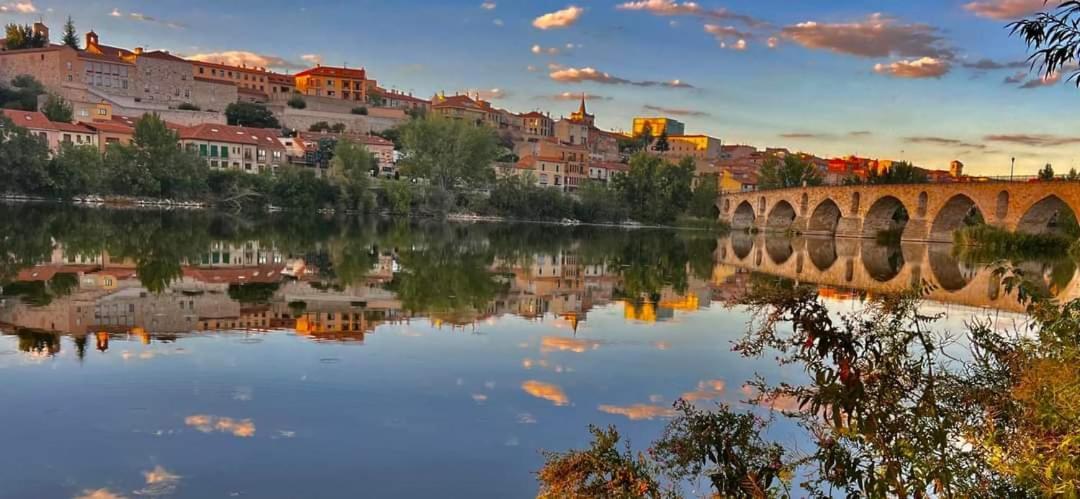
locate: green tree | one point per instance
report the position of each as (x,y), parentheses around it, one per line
(297,102)
(1072,175)
(899,173)
(23,36)
(57,109)
(71,38)
(154,164)
(299,189)
(791,171)
(351,170)
(376,99)
(1047,173)
(24,159)
(703,202)
(22,93)
(1054,36)
(448,153)
(338,128)
(599,202)
(319,126)
(655,190)
(76,169)
(251,114)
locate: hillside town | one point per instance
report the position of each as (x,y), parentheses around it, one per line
(109,88)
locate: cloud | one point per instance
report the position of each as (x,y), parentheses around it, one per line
(139,16)
(1016,78)
(991,65)
(575,96)
(943,141)
(1042,81)
(802,135)
(579,75)
(19,7)
(243,428)
(99,494)
(559,19)
(772,42)
(675,111)
(638,412)
(860,133)
(546,391)
(875,36)
(498,22)
(925,67)
(243,57)
(726,32)
(1005,10)
(488,6)
(486,94)
(312,58)
(159,482)
(706,390)
(674,8)
(576,345)
(1033,140)
(539,50)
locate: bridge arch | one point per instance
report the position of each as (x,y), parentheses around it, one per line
(825,218)
(882,263)
(779,249)
(742,244)
(822,252)
(950,274)
(958,212)
(1046,216)
(744,216)
(887,213)
(781,217)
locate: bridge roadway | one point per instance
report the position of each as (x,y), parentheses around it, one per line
(933,211)
(864,265)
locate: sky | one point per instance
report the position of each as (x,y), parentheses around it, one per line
(927,81)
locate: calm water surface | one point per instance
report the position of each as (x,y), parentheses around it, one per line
(201,355)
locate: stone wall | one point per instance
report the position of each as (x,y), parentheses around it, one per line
(213,96)
(163,81)
(302,119)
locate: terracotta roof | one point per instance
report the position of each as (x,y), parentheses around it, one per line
(29,119)
(264,274)
(163,55)
(457,101)
(356,74)
(610,165)
(370,140)
(390,95)
(263,137)
(242,69)
(71,127)
(113,55)
(110,127)
(535,114)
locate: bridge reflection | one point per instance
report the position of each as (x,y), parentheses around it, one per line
(865,265)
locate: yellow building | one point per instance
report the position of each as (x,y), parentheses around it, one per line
(339,83)
(657,126)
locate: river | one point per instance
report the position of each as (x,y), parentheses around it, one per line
(198,355)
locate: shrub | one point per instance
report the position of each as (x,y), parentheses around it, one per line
(187,106)
(361,110)
(297,102)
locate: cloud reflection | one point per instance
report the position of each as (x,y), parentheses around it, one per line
(244,428)
(99,494)
(638,412)
(576,345)
(159,482)
(546,391)
(706,390)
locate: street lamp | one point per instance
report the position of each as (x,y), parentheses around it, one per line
(1012,169)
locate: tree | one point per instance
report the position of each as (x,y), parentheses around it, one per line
(299,189)
(351,170)
(655,190)
(360,110)
(1072,175)
(76,169)
(448,153)
(338,128)
(703,202)
(319,126)
(598,202)
(23,159)
(297,102)
(57,109)
(251,114)
(24,37)
(899,173)
(791,171)
(22,94)
(1047,173)
(71,38)
(154,164)
(1055,38)
(602,470)
(376,99)
(661,145)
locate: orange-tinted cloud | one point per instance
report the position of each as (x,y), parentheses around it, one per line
(19,7)
(579,75)
(245,58)
(1034,140)
(706,390)
(875,36)
(558,343)
(924,67)
(1005,10)
(99,494)
(159,482)
(638,412)
(243,428)
(560,18)
(547,391)
(674,8)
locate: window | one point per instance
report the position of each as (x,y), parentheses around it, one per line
(202,150)
(225,152)
(102,111)
(67,137)
(202,70)
(214,152)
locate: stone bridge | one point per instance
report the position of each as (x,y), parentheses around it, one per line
(866,266)
(924,212)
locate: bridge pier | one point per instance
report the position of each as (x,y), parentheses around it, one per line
(849,227)
(916,230)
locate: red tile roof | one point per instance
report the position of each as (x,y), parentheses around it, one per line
(356,74)
(29,119)
(263,274)
(535,114)
(163,55)
(110,127)
(262,137)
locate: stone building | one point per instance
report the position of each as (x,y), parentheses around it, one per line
(251,150)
